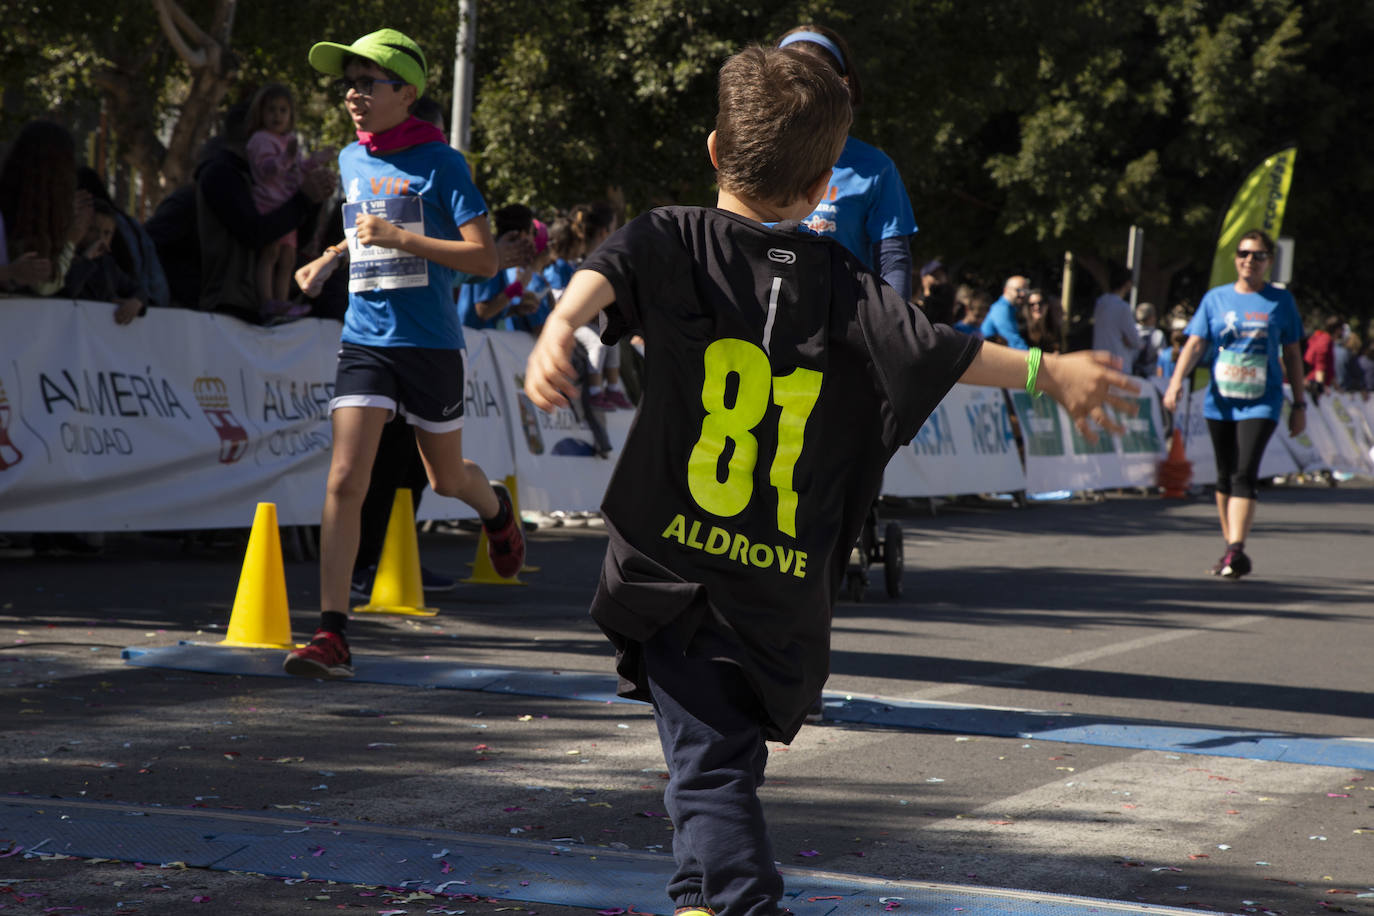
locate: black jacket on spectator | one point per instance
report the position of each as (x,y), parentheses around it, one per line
(101,280)
(232,232)
(172,227)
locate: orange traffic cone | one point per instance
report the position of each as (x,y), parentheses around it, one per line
(1176,471)
(483,573)
(397,588)
(260,618)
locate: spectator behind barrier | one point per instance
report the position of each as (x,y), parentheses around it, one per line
(274,156)
(593,224)
(1114,328)
(1346,354)
(28,269)
(976,303)
(1366,360)
(231,230)
(485,305)
(1152,340)
(173,231)
(1320,358)
(1001,324)
(44,213)
(1044,321)
(131,245)
(97,275)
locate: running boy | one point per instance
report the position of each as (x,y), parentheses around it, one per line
(413,218)
(780,377)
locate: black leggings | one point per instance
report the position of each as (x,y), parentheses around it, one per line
(1239,446)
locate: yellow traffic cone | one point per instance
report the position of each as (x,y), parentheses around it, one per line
(260,618)
(483,573)
(397,588)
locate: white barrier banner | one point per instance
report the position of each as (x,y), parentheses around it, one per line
(556,457)
(486,433)
(1345,420)
(1322,430)
(966,446)
(188,419)
(180,420)
(1058,457)
(1197,441)
(1141,444)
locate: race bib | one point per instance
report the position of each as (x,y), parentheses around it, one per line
(372,268)
(1241,376)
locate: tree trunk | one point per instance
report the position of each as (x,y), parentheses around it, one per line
(213,69)
(198,115)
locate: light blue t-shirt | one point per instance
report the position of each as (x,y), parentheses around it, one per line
(1165,362)
(1001,322)
(1253,325)
(469,294)
(557,275)
(865,203)
(396,299)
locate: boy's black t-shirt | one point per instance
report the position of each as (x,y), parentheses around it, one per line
(780,376)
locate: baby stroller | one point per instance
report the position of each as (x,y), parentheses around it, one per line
(869,551)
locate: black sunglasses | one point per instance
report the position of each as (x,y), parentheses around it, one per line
(1244,253)
(363,84)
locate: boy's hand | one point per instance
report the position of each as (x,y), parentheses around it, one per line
(318,184)
(528,304)
(550,380)
(1086,381)
(373,230)
(311,277)
(126,310)
(29,269)
(514,249)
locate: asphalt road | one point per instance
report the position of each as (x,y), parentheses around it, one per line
(1096,611)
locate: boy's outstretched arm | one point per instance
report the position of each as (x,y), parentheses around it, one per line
(1083,382)
(550,380)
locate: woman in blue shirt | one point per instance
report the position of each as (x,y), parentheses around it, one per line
(866,207)
(1249,323)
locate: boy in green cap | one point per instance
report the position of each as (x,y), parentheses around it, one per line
(413,219)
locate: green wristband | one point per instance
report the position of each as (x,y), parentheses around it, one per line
(1032,371)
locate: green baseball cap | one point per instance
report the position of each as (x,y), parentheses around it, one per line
(386,48)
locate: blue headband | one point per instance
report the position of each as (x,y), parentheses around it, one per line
(816,38)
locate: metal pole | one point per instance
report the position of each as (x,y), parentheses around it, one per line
(460,112)
(1066,296)
(1135,253)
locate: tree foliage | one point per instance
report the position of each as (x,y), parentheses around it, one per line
(1023,128)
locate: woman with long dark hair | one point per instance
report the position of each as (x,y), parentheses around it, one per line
(44,214)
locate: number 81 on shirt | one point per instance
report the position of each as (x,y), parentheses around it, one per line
(795,395)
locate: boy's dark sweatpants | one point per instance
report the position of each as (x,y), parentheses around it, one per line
(710,725)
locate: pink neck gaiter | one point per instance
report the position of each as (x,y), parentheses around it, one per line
(410,132)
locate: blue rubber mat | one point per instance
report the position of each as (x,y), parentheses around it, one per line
(454,863)
(1070,728)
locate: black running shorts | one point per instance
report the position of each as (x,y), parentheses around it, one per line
(423,385)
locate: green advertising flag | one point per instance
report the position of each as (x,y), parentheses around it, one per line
(1259,204)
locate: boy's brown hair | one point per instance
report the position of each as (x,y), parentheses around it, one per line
(781,122)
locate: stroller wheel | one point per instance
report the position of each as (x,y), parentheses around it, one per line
(893,556)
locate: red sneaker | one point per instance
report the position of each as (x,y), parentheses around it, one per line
(618,399)
(506,547)
(326,656)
